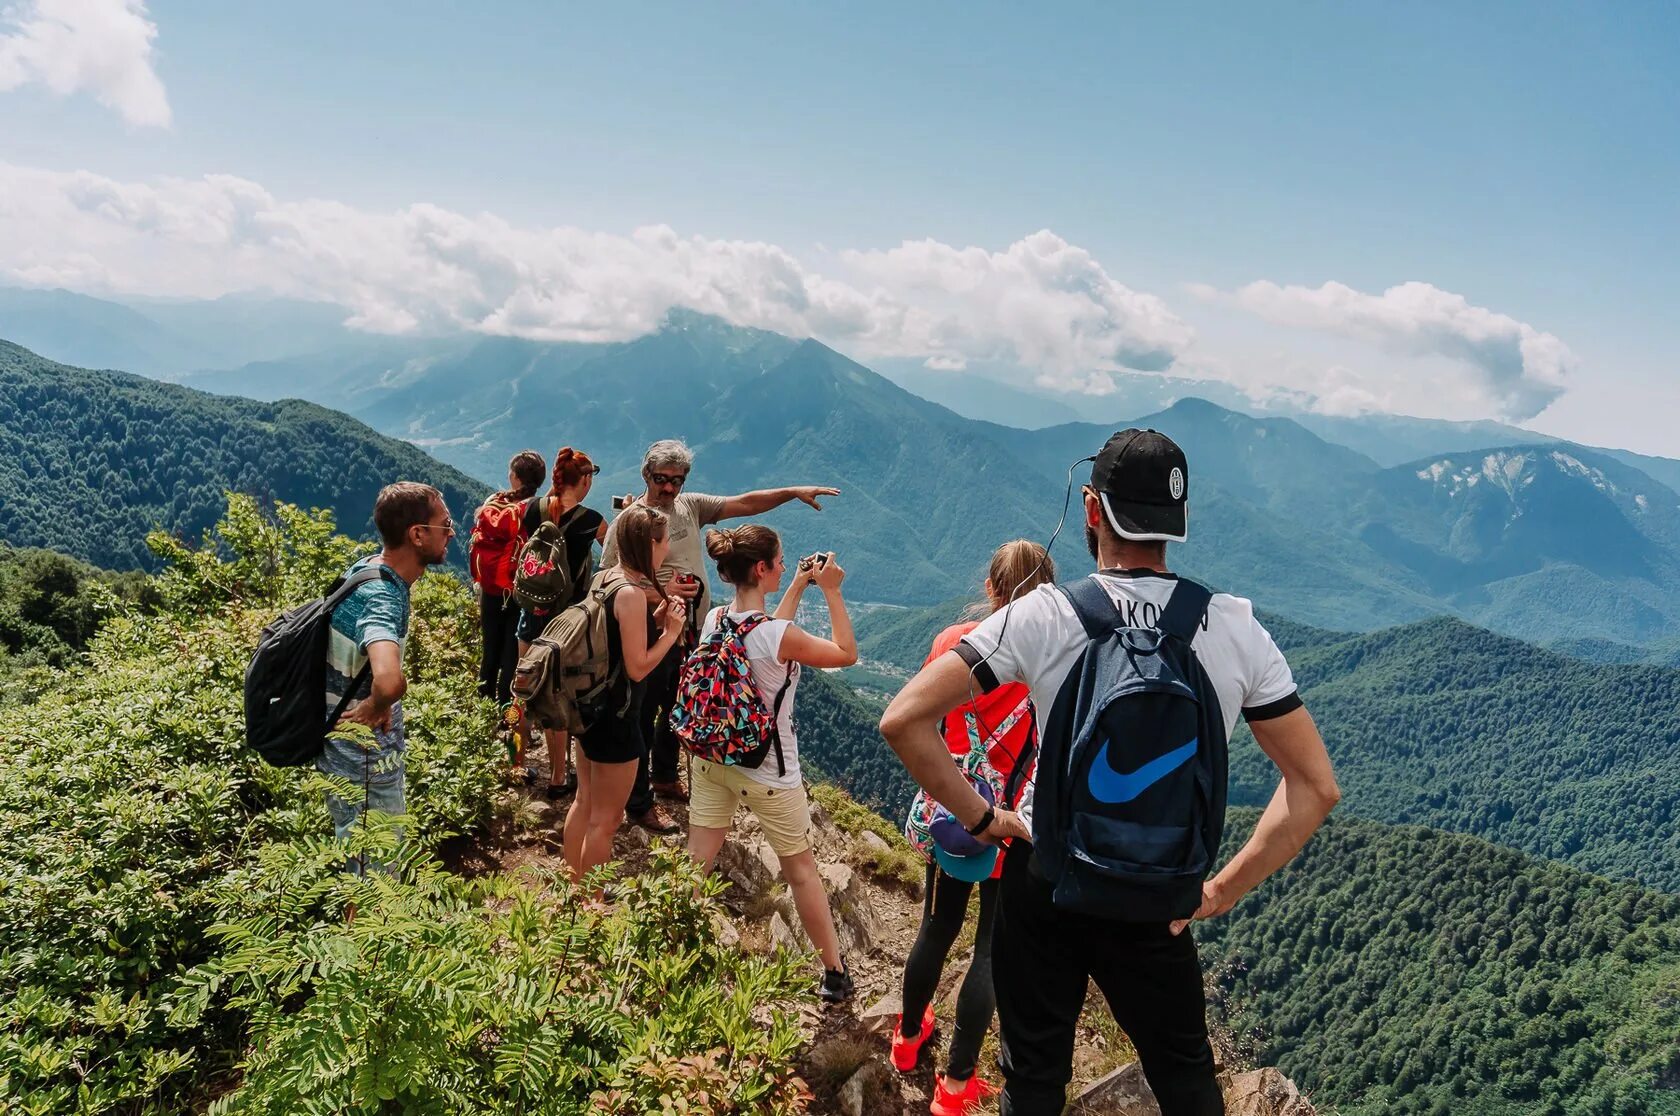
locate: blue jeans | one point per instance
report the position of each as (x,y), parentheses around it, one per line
(379,771)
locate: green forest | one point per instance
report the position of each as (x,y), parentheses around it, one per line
(90,462)
(1447,725)
(1397,969)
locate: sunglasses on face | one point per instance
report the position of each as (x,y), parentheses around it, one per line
(592,471)
(448,525)
(675,480)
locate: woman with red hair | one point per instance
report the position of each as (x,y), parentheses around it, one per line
(573,474)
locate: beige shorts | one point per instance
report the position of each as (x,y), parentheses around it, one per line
(785,813)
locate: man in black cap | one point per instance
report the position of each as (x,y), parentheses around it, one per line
(1043,953)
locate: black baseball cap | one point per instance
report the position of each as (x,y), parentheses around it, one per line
(1144,483)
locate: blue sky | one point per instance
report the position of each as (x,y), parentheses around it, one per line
(1523,157)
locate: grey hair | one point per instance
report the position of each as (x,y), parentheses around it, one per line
(668,453)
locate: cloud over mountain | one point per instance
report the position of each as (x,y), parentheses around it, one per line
(1041,303)
(102,47)
(1518,369)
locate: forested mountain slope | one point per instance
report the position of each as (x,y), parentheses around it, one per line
(1451,726)
(1395,969)
(92,461)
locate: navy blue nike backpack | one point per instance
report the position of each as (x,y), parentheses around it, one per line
(1129,806)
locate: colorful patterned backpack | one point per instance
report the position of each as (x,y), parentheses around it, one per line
(978,767)
(719,714)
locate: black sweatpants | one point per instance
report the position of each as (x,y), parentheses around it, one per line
(944,908)
(1151,979)
(498,621)
(659,760)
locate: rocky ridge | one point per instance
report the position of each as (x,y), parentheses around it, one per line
(874,884)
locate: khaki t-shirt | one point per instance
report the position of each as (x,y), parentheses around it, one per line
(691,512)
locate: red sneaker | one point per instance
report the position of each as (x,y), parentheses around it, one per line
(905,1051)
(962,1102)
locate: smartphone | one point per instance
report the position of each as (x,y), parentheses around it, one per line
(618,503)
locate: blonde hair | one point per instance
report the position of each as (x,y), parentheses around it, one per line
(1018,567)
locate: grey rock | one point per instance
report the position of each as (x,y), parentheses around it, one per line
(750,865)
(1262,1092)
(1121,1093)
(872,1090)
(878,1018)
(855,917)
(782,936)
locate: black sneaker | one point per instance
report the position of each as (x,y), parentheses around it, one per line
(836,987)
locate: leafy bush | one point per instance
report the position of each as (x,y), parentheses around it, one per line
(128,808)
(505,994)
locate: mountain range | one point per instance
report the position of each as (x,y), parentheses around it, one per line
(1536,538)
(90,462)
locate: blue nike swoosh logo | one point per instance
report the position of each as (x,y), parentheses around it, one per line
(1112,787)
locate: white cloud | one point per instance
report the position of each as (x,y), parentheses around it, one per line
(1517,369)
(103,47)
(1042,303)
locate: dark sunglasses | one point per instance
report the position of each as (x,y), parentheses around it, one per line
(675,479)
(592,471)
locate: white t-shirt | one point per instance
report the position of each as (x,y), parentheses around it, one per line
(1043,638)
(764,644)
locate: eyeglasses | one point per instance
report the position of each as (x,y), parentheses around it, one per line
(676,480)
(592,471)
(448,525)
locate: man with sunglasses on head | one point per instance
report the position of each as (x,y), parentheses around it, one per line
(368,630)
(665,469)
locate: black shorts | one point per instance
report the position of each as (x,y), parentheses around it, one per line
(531,624)
(612,740)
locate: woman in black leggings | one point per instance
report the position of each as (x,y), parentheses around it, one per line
(495,543)
(1000,723)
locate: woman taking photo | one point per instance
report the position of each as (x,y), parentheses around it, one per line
(574,474)
(750,559)
(638,637)
(1000,722)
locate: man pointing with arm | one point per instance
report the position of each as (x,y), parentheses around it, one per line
(665,469)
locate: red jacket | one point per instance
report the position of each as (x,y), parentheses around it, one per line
(990,712)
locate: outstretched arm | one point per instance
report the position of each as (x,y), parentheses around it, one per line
(757,503)
(1303,799)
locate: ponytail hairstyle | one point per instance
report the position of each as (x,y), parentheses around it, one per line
(529,469)
(736,550)
(570,467)
(638,527)
(1018,567)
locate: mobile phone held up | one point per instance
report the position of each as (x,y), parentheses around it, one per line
(813,562)
(619,503)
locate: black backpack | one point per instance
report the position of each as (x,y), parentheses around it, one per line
(1129,805)
(286,715)
(542,570)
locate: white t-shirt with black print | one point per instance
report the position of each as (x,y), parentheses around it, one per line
(764,645)
(1042,639)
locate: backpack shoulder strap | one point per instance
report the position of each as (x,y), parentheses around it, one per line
(346,585)
(1185,609)
(1023,760)
(1092,604)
